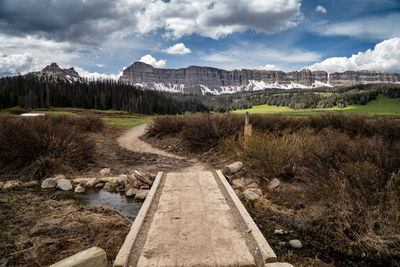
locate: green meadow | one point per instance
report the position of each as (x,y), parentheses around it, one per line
(381,106)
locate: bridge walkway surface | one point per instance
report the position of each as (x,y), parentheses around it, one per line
(194,219)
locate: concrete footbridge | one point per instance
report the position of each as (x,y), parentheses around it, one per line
(194,219)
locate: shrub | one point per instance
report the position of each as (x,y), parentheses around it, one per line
(35,147)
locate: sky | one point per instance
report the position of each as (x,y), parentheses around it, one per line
(102,37)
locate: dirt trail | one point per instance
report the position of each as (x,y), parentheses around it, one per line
(131,140)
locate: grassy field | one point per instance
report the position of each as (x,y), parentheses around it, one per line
(381,106)
(111,117)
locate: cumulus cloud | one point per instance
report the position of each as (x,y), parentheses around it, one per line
(87,22)
(149,59)
(376,28)
(97,76)
(321,9)
(218,18)
(269,67)
(178,49)
(14,64)
(384,57)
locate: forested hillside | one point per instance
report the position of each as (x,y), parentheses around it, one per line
(30,92)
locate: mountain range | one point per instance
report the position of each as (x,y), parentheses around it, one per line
(207,80)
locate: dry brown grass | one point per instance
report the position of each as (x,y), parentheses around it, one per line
(342,172)
(35,147)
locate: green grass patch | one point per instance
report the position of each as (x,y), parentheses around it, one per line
(381,106)
(128,122)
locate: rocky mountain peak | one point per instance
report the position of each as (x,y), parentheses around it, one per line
(53,70)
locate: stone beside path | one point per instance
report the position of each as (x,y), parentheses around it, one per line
(194,226)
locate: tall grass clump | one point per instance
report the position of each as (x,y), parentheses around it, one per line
(36,147)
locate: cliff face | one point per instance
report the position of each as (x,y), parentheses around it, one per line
(349,78)
(196,79)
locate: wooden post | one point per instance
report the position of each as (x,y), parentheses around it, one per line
(247,128)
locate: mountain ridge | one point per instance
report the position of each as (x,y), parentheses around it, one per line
(209,80)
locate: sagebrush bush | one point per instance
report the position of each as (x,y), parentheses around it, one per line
(344,173)
(35,147)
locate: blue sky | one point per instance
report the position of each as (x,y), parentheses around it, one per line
(101,37)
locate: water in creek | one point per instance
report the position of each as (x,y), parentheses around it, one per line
(127,206)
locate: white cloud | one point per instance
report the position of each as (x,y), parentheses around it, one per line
(101,65)
(218,18)
(269,67)
(384,57)
(321,9)
(149,59)
(97,76)
(15,63)
(37,53)
(376,28)
(178,49)
(253,56)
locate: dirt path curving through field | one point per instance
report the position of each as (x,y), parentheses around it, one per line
(131,140)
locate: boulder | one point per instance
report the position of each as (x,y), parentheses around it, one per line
(141,177)
(295,243)
(278,232)
(252,186)
(141,194)
(11,184)
(250,195)
(107,186)
(64,184)
(92,182)
(49,183)
(131,192)
(274,183)
(105,172)
(99,185)
(79,189)
(123,179)
(238,183)
(233,168)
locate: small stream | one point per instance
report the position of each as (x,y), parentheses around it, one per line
(127,206)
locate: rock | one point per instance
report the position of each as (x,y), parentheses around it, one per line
(105,172)
(49,183)
(64,184)
(92,182)
(123,179)
(59,176)
(1,185)
(282,243)
(79,189)
(252,186)
(11,184)
(107,186)
(99,185)
(144,187)
(278,264)
(295,243)
(238,183)
(141,177)
(131,192)
(233,168)
(248,181)
(141,194)
(250,195)
(256,190)
(274,183)
(278,232)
